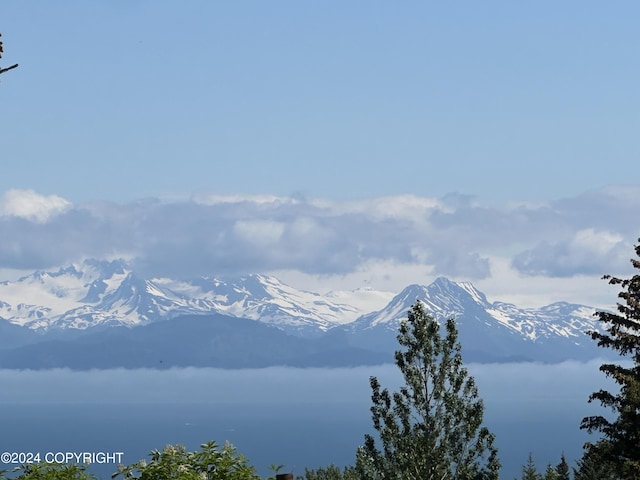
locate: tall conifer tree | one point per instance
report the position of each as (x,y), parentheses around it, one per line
(592,466)
(432,428)
(620,445)
(529,471)
(563,469)
(550,473)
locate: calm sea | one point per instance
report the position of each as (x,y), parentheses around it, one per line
(297,418)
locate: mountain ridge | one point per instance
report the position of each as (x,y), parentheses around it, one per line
(111,293)
(95,296)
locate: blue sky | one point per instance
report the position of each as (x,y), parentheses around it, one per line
(129,123)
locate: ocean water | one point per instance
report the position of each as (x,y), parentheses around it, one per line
(295,417)
(293,436)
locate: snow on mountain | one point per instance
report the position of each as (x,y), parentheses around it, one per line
(444,299)
(109,293)
(265,298)
(96,293)
(35,299)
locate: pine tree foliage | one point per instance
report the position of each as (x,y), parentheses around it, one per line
(621,436)
(592,465)
(529,471)
(563,470)
(432,428)
(550,473)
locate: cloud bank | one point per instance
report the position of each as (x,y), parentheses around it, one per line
(31,205)
(453,236)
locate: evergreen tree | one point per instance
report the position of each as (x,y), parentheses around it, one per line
(592,466)
(550,473)
(620,446)
(432,428)
(529,471)
(563,469)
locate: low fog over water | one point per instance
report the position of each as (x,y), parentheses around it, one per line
(296,417)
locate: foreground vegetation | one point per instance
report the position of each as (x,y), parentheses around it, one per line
(431,429)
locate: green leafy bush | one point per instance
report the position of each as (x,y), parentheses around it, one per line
(50,471)
(175,463)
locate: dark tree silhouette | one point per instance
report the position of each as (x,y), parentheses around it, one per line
(563,469)
(620,444)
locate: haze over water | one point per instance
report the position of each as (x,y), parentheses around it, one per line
(296,417)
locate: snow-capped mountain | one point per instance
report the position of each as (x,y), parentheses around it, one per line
(444,299)
(88,297)
(100,293)
(495,327)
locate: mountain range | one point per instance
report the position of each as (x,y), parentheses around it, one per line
(102,314)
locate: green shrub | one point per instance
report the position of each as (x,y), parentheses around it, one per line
(175,463)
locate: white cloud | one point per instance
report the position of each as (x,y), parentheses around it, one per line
(304,226)
(31,205)
(525,253)
(409,207)
(588,251)
(507,284)
(600,243)
(259,231)
(214,199)
(382,275)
